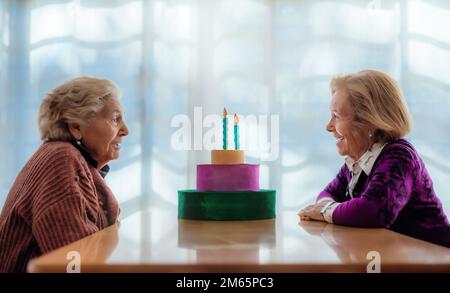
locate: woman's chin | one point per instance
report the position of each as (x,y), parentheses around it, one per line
(342,151)
(113,156)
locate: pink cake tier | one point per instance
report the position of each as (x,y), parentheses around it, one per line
(226,177)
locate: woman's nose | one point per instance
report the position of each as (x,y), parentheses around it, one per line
(330,126)
(124,129)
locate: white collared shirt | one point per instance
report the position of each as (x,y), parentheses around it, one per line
(364,164)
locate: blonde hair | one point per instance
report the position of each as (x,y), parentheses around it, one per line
(378,104)
(75,101)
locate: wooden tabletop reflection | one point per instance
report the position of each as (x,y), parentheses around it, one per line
(156,241)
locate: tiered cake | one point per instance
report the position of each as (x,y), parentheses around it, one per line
(227,189)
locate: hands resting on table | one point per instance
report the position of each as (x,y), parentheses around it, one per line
(312,212)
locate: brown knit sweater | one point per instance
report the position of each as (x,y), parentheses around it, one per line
(56,199)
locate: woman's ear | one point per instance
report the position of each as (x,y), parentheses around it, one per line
(75,130)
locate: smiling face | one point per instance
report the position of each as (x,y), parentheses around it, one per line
(103,136)
(341,126)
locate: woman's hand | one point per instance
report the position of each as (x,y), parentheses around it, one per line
(312,212)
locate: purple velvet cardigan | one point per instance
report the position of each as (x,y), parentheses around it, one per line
(398,195)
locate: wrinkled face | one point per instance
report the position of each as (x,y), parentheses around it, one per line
(340,125)
(103,136)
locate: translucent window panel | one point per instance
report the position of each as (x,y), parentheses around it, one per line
(131,189)
(255,57)
(165,12)
(429,19)
(106,24)
(419,55)
(51,21)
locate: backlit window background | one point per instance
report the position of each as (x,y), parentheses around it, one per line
(253,56)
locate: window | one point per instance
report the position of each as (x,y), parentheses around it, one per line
(255,57)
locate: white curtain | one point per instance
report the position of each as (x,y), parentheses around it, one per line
(255,57)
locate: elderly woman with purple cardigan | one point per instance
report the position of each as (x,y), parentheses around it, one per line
(384,182)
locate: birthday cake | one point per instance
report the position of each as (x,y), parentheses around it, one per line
(227,189)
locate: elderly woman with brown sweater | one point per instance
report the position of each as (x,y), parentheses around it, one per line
(60,195)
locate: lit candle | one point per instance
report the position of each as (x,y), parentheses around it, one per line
(224,128)
(236,132)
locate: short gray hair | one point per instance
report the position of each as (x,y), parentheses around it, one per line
(75,101)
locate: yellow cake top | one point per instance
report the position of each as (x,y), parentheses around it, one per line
(227,157)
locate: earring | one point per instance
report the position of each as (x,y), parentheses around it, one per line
(370,134)
(78,141)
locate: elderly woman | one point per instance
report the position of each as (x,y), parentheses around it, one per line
(384,182)
(60,195)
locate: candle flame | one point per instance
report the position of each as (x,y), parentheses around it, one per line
(236,119)
(225,112)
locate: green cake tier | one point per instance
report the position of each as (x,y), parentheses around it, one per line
(226,205)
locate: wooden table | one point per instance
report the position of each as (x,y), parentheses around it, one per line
(156,241)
